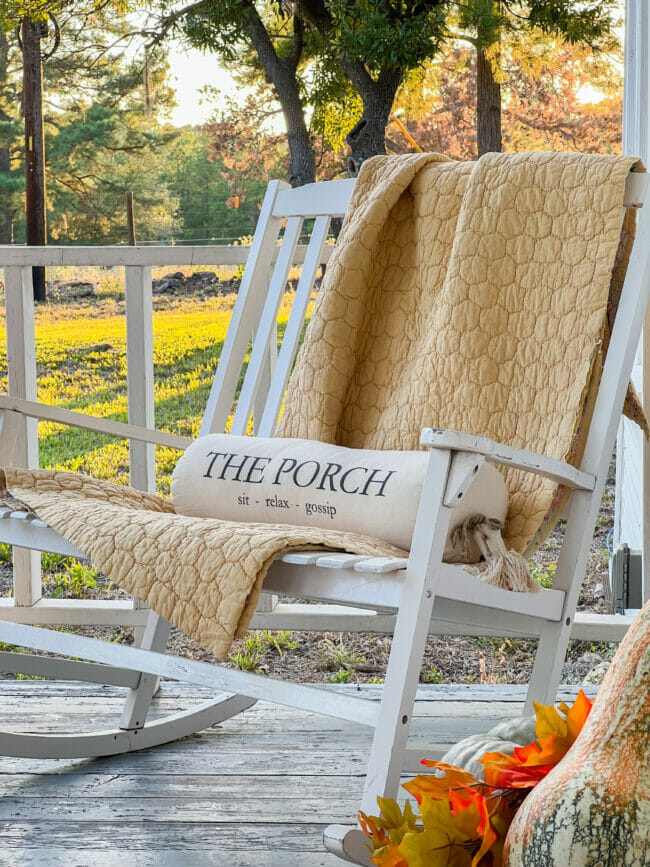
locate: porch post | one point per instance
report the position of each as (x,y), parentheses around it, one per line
(632,513)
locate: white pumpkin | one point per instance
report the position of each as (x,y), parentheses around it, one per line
(503,738)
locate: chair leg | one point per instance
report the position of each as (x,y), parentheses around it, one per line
(139,699)
(571,567)
(388,752)
(389,745)
(547,668)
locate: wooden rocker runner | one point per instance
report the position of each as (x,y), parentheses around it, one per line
(394,199)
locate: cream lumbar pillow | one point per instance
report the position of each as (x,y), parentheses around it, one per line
(314,484)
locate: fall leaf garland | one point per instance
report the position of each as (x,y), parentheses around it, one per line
(463,821)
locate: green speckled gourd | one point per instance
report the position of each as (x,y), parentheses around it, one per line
(503,738)
(593,808)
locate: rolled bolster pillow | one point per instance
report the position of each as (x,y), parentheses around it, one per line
(314,484)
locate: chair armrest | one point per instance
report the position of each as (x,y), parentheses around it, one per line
(59,415)
(508,456)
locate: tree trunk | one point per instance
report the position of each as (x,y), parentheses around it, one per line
(488,107)
(6,216)
(282,73)
(302,162)
(368,137)
(34,145)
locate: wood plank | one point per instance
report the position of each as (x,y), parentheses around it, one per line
(550,468)
(228,837)
(98,612)
(302,807)
(139,374)
(258,789)
(206,785)
(423,732)
(109,857)
(187,761)
(60,415)
(443,692)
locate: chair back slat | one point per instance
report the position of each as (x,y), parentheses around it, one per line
(245,314)
(254,318)
(266,331)
(294,328)
(315,200)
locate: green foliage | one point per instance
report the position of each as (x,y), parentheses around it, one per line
(433,676)
(544,575)
(345,675)
(246,661)
(100,140)
(55,562)
(485,22)
(336,655)
(12,11)
(254,643)
(280,641)
(5,553)
(218,175)
(75,580)
(384,34)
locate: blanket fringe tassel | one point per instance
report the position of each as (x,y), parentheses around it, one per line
(503,568)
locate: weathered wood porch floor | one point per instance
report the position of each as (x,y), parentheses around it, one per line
(257,790)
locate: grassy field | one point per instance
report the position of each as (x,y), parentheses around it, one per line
(81,359)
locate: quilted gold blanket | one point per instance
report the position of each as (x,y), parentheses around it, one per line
(465,296)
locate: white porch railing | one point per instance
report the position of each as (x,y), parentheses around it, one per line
(28,605)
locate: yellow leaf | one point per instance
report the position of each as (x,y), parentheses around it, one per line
(392,820)
(444,842)
(549,722)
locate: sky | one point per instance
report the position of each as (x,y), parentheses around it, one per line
(191,70)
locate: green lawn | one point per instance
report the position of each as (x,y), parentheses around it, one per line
(81,358)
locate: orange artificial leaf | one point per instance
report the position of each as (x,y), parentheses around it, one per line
(510,772)
(377,836)
(389,857)
(555,735)
(481,812)
(437,787)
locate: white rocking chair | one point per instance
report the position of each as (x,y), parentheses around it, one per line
(417,588)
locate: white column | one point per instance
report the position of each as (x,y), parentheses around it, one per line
(632,518)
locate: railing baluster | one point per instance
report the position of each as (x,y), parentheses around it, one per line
(139,360)
(139,381)
(21,366)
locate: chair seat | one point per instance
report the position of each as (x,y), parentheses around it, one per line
(337,577)
(376,583)
(27,531)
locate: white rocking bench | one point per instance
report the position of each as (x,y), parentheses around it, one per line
(417,588)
